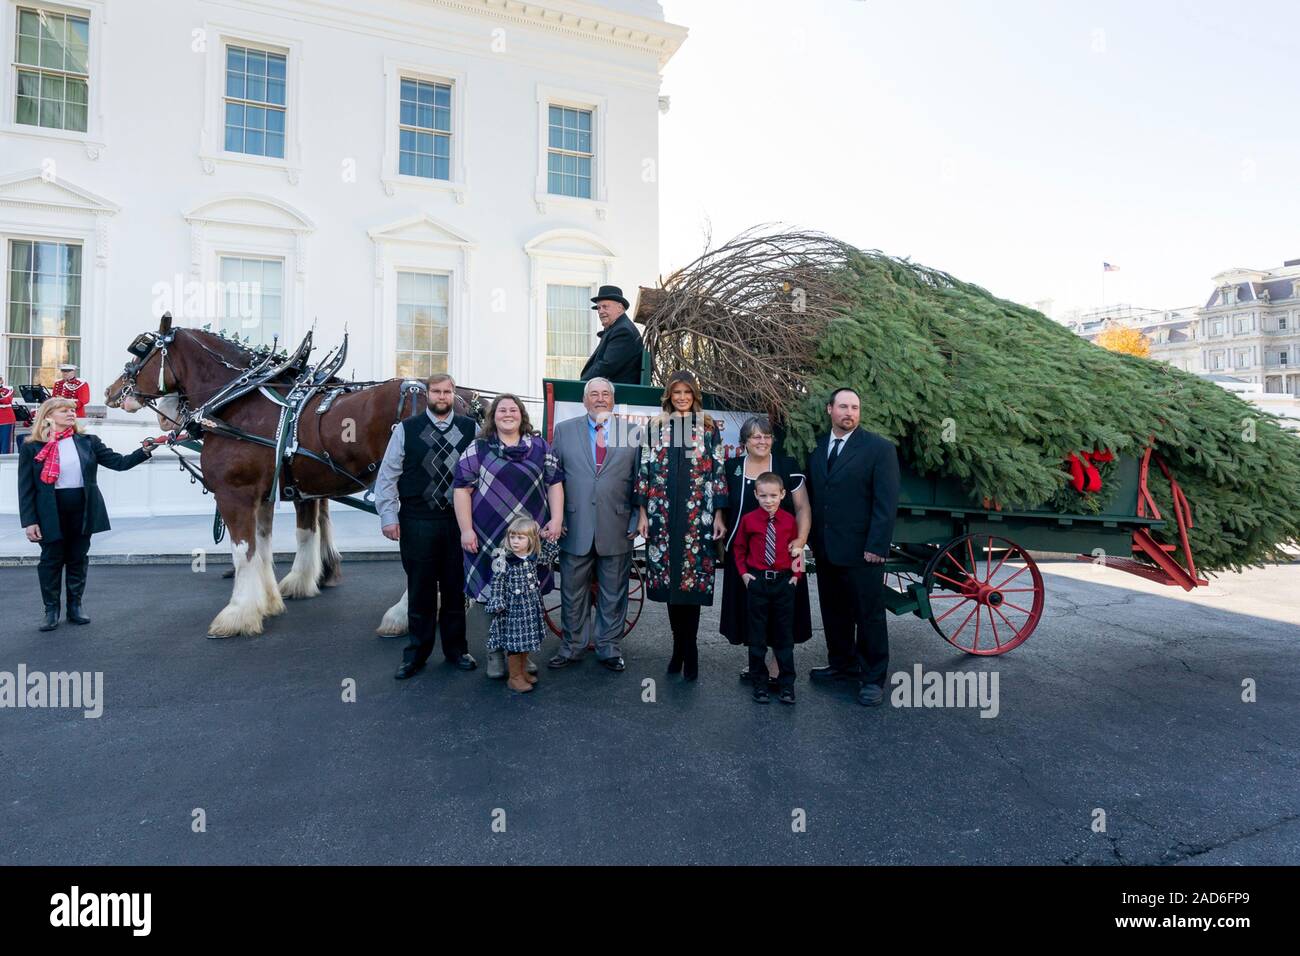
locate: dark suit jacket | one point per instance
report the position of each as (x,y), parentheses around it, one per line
(618,356)
(854,506)
(36,502)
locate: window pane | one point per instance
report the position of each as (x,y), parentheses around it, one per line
(275,145)
(28,111)
(29,50)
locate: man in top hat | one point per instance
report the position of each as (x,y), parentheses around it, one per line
(618,356)
(69,386)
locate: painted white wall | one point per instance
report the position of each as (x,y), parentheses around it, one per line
(149,193)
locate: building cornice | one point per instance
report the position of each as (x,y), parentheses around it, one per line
(586,20)
(570,18)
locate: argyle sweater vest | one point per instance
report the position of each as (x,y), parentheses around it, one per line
(429,457)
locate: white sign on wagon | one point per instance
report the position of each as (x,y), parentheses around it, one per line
(635,421)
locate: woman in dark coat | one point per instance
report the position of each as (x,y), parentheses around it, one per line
(59,502)
(682,493)
(757,437)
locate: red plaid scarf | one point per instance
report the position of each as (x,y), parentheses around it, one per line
(49,455)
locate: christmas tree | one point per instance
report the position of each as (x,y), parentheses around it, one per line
(970,386)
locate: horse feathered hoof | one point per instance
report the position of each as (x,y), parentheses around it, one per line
(236,621)
(394,623)
(296,586)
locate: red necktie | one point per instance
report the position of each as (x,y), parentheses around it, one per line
(600,445)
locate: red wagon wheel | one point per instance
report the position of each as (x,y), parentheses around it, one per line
(986,595)
(552,604)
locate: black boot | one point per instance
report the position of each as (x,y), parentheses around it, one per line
(51,617)
(675,662)
(74,612)
(690,658)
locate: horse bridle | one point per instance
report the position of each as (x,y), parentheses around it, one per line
(143,347)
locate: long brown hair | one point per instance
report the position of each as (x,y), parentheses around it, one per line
(488,429)
(697,397)
(42,424)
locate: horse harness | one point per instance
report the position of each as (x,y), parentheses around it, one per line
(308,381)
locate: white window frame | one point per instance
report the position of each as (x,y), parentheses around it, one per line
(562,257)
(250,226)
(93,138)
(400,247)
(449,275)
(87,279)
(393,180)
(556,278)
(548,96)
(212,139)
(286,278)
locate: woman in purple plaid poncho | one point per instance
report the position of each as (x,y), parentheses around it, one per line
(508,472)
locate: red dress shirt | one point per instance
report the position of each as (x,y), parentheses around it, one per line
(751,538)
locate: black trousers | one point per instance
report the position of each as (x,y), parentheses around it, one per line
(435,569)
(70,553)
(684,620)
(769,604)
(853,612)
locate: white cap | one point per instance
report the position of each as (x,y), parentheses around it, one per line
(67,367)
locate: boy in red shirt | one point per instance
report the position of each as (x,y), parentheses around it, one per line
(771,571)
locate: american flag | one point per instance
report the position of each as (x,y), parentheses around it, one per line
(1107,267)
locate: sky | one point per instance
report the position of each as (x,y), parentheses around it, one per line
(1014,144)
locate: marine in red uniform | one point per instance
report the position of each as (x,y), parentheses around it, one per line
(72,387)
(6,416)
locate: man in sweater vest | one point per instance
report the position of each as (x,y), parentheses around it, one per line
(413,497)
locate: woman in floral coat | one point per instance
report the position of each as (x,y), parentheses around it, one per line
(682,492)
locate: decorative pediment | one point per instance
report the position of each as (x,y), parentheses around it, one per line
(247,209)
(38,189)
(568,243)
(420,228)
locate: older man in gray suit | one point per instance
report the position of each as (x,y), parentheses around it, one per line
(600,525)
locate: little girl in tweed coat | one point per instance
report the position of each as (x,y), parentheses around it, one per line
(515,606)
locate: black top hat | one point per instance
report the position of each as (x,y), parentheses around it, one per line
(613,293)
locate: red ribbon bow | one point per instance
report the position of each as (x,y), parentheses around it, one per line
(1084,475)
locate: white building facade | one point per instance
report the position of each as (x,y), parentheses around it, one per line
(447,180)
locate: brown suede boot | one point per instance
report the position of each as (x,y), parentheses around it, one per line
(531,678)
(518,675)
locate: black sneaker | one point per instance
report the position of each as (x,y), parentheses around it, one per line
(787,696)
(760,695)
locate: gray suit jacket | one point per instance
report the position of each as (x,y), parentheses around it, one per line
(597,508)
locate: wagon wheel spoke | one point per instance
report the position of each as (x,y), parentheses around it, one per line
(954,607)
(960,584)
(973,612)
(953,573)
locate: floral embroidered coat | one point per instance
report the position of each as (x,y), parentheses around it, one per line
(681,483)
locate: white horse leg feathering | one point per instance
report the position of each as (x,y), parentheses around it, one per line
(394,622)
(243,614)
